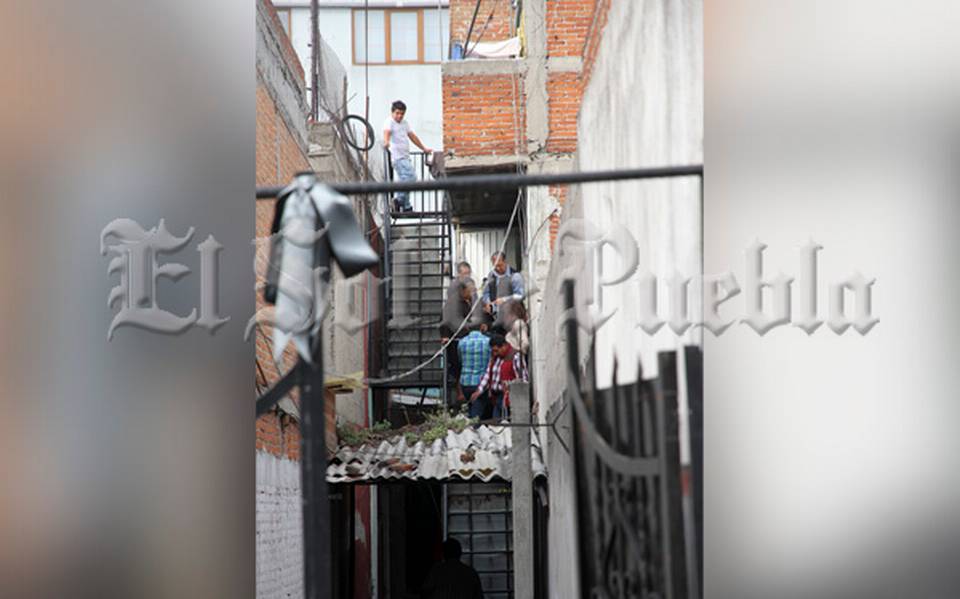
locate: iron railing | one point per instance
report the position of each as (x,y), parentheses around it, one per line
(418,262)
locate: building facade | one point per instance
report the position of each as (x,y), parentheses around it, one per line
(281,135)
(392,50)
(287,143)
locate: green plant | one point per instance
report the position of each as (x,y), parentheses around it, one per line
(434,428)
(381,427)
(351,434)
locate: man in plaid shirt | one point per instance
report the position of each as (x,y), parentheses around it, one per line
(474,351)
(506,365)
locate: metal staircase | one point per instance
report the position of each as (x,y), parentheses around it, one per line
(418,262)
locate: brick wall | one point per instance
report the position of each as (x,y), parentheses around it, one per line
(564,91)
(279,157)
(568,22)
(499,28)
(477,108)
(478,117)
(280,153)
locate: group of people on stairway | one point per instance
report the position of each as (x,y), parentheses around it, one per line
(491,351)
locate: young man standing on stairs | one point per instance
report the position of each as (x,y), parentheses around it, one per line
(397,136)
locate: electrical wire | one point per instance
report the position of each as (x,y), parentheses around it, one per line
(466,51)
(517,136)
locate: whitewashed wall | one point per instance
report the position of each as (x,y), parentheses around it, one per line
(279,528)
(642,108)
(417,85)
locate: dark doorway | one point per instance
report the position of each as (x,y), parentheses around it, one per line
(412,535)
(424,532)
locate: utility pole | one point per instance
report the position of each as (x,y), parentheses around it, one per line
(314,60)
(346,245)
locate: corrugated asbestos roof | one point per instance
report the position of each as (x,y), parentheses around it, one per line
(477,454)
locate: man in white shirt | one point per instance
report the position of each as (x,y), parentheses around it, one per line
(397,136)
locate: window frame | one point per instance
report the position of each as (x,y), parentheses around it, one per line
(286,14)
(387,55)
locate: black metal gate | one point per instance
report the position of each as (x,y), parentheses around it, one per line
(629,496)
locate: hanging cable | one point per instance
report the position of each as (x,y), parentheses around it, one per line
(466,42)
(466,52)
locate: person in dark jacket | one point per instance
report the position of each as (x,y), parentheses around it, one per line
(451,578)
(455,310)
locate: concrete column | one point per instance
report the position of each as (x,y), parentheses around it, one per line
(522,487)
(535,80)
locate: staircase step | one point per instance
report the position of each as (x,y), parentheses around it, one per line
(409,215)
(428,223)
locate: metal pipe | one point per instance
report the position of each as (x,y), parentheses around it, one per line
(315,60)
(313,468)
(473,21)
(488,182)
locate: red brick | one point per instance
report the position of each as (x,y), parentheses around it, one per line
(500,27)
(279,156)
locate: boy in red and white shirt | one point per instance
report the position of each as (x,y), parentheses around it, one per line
(506,365)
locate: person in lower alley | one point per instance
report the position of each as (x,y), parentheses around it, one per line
(397,136)
(474,350)
(451,578)
(506,365)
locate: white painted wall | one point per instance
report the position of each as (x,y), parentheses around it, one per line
(651,78)
(417,85)
(279,528)
(642,108)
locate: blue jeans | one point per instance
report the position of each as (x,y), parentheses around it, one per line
(480,408)
(403,169)
(499,409)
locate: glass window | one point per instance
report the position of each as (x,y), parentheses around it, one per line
(373,22)
(404,43)
(400,35)
(436,35)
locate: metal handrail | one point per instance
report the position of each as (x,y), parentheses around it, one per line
(491,182)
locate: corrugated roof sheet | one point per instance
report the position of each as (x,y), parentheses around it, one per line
(477,454)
